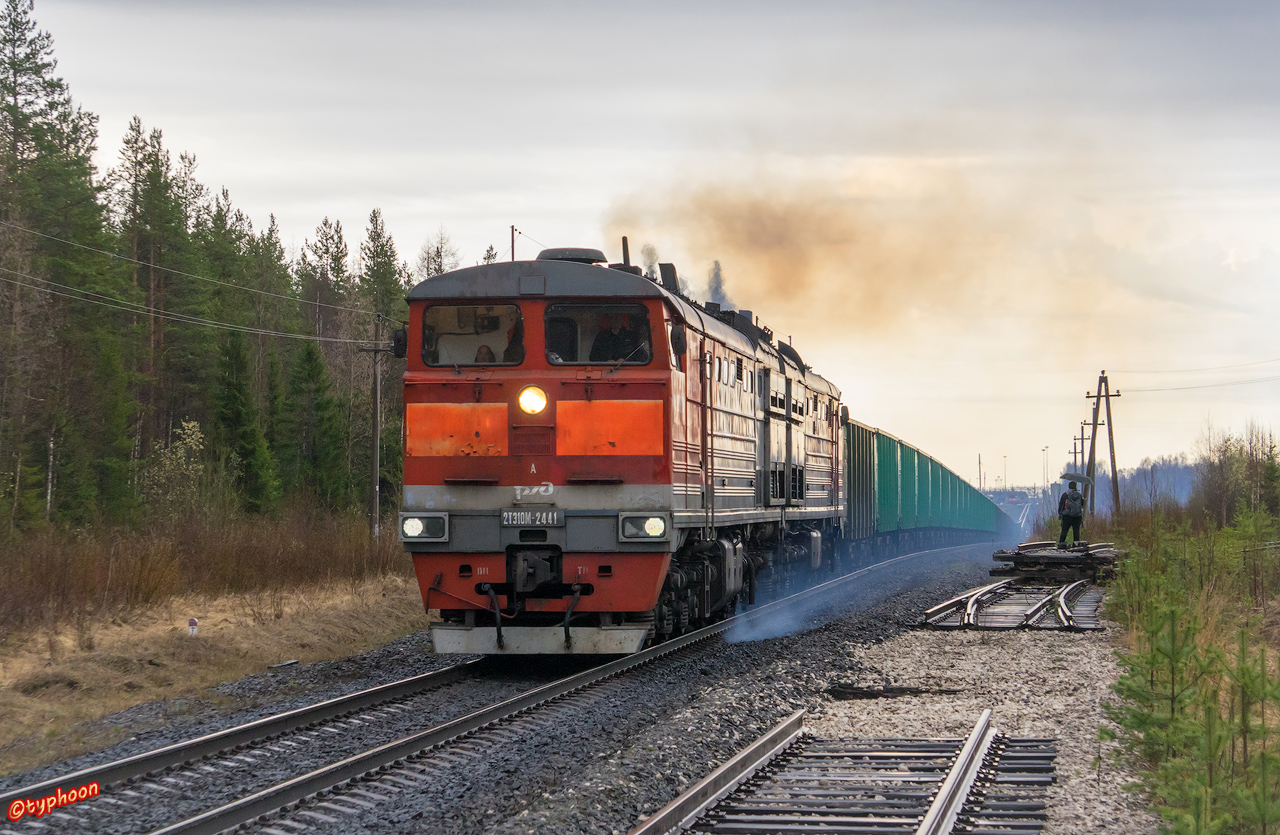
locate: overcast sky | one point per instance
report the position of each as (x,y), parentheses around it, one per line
(961,212)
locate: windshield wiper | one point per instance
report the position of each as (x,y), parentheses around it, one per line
(623,361)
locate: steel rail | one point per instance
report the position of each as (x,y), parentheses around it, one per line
(954,790)
(292,791)
(188,751)
(961,602)
(1060,603)
(725,779)
(971,608)
(1037,609)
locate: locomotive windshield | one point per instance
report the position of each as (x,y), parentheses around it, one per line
(594,333)
(488,334)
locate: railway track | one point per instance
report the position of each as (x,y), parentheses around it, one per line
(790,781)
(1009,604)
(140,778)
(354,783)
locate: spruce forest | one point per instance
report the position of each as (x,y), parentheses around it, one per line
(183,406)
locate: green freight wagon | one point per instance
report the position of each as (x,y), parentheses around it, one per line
(859,481)
(888,475)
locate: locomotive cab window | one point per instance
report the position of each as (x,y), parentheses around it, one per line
(580,334)
(483,334)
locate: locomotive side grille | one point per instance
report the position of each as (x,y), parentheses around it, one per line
(532,440)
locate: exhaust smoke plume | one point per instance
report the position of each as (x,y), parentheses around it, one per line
(986,291)
(868,248)
(715,287)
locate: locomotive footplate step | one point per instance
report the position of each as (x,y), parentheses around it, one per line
(1021,604)
(792,781)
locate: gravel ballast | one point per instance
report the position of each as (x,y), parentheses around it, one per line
(1037,683)
(601,761)
(607,762)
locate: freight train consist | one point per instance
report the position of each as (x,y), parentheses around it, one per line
(592,461)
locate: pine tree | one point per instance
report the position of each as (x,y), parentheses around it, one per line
(322,277)
(273,412)
(239,430)
(490,255)
(313,452)
(383,280)
(64,458)
(154,221)
(269,272)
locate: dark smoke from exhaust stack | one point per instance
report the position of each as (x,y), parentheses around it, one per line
(870,251)
(649,257)
(715,288)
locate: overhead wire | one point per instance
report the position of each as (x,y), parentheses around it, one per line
(102,300)
(172,271)
(535,240)
(1207,385)
(1192,370)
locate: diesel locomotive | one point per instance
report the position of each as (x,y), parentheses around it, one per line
(594,461)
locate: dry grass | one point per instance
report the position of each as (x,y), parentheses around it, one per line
(56,681)
(54,577)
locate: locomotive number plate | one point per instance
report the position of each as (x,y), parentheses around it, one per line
(532,518)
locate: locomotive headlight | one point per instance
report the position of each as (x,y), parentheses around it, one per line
(644,527)
(532,400)
(424,526)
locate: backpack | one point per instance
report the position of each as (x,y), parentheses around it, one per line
(1074,503)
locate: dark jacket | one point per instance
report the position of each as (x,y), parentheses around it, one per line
(1071,503)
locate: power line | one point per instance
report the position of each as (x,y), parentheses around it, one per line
(184,274)
(134,307)
(1212,385)
(539,243)
(1191,370)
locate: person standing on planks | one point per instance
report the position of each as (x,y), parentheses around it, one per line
(1071,512)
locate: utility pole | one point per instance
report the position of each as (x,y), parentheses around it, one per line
(980,471)
(1104,393)
(376,508)
(1111,439)
(1006,472)
(1092,466)
(1085,464)
(375,497)
(1044,451)
(513,242)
